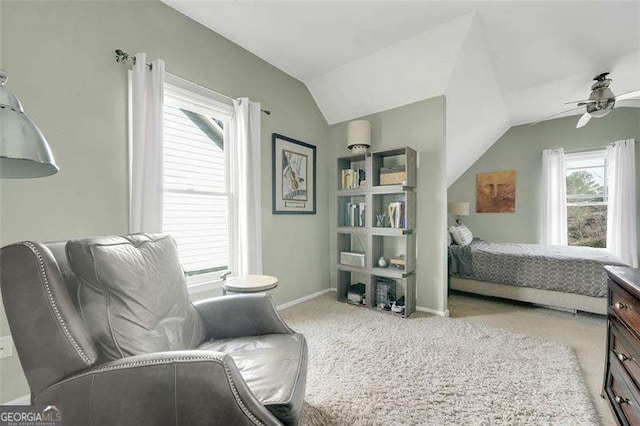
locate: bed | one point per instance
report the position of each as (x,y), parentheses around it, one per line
(567,277)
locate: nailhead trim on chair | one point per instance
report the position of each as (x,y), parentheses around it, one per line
(87,360)
(162,361)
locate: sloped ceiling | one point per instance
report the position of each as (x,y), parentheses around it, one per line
(408,71)
(476,115)
(498,63)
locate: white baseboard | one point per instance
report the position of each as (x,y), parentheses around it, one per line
(303,299)
(23,400)
(444,313)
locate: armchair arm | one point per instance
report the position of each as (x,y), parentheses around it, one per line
(240,315)
(182,388)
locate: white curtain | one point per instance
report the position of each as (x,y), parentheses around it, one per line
(621,214)
(244,184)
(147,100)
(554,198)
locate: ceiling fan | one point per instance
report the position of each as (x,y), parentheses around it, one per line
(600,103)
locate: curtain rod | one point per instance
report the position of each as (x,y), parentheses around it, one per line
(124,58)
(594,148)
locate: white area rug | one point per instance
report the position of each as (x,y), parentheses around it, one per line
(369,368)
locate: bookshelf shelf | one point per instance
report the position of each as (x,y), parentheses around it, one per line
(391,232)
(394,239)
(389,189)
(352,192)
(349,268)
(351,230)
(390,272)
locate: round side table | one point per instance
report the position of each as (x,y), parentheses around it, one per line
(249,284)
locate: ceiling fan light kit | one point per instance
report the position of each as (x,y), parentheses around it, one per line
(600,103)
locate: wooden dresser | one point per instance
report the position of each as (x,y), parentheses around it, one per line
(622,369)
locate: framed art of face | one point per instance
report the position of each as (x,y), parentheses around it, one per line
(496,192)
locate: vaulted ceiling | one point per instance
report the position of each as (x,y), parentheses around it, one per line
(498,63)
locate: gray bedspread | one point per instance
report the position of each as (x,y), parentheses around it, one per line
(559,268)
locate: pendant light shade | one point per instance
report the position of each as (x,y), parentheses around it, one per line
(24,151)
(359,136)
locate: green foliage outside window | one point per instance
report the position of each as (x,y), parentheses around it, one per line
(587,209)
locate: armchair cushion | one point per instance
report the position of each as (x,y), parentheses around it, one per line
(274,367)
(133,295)
(226,316)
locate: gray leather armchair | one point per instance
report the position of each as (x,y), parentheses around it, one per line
(105,330)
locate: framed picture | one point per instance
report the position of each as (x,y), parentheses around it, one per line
(294,176)
(496,192)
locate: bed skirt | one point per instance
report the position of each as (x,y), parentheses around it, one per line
(578,302)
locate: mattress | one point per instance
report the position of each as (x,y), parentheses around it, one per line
(569,269)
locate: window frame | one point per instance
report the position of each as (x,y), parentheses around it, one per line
(198,99)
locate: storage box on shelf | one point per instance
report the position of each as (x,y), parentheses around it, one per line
(376,218)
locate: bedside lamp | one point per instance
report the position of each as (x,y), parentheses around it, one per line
(459,209)
(24,152)
(359,136)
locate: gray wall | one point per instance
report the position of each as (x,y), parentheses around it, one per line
(61,64)
(520,149)
(420,125)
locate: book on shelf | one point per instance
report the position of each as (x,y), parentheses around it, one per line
(354,214)
(353,178)
(398,261)
(396,212)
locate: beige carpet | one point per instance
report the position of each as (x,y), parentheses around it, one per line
(371,368)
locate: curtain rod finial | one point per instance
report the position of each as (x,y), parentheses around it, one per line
(122,56)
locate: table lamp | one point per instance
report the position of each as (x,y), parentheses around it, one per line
(459,209)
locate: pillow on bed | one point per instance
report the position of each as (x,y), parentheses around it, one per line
(461,234)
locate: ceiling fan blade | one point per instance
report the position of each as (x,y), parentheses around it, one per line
(554,115)
(583,120)
(628,95)
(586,101)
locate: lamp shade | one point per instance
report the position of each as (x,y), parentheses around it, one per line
(459,209)
(359,136)
(24,151)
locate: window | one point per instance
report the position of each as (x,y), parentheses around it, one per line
(587,198)
(196,195)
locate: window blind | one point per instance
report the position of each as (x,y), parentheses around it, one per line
(195,208)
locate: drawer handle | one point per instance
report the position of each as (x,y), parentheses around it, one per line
(622,357)
(620,306)
(621,400)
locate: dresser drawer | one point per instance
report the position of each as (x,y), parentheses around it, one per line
(622,394)
(625,347)
(624,306)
